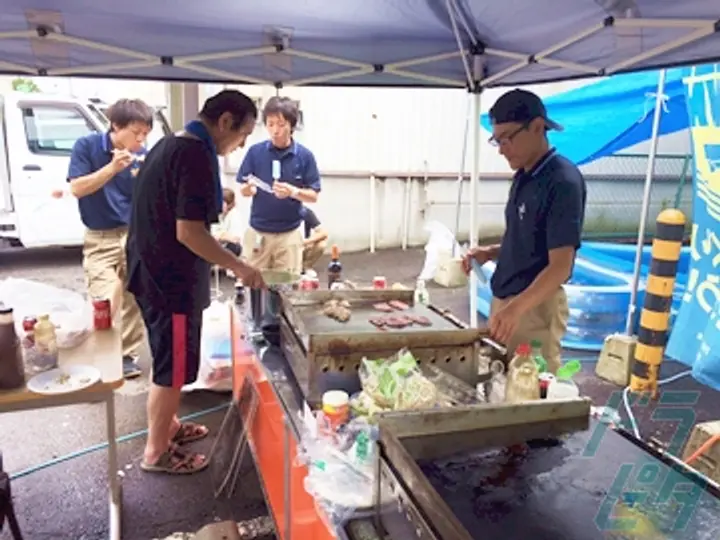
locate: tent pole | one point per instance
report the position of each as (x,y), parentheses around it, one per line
(474,178)
(461,172)
(630,322)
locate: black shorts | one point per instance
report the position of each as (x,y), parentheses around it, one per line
(174,344)
(232,247)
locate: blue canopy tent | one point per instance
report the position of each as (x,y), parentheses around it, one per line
(610,115)
(442,43)
(465,44)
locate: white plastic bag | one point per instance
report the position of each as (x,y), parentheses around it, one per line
(441,240)
(215,351)
(70,312)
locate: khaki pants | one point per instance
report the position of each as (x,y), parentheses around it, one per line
(312,254)
(546,323)
(274,251)
(104,264)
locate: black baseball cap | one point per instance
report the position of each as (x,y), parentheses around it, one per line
(520,106)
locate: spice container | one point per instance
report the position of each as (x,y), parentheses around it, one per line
(44,354)
(380,282)
(12,374)
(336,408)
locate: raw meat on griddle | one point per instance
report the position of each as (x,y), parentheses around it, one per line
(378,322)
(385,308)
(422,320)
(397,304)
(396,322)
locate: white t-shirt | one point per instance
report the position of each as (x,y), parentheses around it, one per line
(231,224)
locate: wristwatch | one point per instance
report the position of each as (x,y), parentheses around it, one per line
(294,191)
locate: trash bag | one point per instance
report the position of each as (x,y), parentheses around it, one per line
(441,240)
(215,371)
(70,312)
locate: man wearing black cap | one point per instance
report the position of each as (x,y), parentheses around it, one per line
(544,218)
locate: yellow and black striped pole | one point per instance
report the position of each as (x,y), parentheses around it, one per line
(655,315)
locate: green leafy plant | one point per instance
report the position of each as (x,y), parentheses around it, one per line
(22,84)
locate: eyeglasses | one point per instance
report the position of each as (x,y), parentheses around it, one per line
(507,139)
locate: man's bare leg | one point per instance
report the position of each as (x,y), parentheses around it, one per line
(162,407)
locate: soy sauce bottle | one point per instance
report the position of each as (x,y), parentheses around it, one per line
(334,270)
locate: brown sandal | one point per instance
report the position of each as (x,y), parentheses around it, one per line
(176,462)
(189,432)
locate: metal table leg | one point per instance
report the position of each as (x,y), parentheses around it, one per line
(113,478)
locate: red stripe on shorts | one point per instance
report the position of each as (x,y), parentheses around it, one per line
(179,345)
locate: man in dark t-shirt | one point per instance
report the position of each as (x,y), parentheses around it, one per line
(544,219)
(315,238)
(178,195)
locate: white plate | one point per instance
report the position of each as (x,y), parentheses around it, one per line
(63,380)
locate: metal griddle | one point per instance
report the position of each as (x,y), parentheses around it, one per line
(410,437)
(315,344)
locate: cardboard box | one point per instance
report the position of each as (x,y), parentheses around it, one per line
(225,530)
(616,359)
(708,462)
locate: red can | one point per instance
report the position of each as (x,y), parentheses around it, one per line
(102,316)
(29,324)
(379,282)
(306,284)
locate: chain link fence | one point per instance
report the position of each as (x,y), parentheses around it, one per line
(615,193)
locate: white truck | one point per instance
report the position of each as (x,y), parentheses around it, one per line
(37,133)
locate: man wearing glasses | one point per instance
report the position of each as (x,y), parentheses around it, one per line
(543,218)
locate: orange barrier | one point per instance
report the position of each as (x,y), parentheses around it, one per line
(293,509)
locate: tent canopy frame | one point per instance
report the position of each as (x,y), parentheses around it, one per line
(697,29)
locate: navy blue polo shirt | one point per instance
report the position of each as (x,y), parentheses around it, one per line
(545,210)
(269,214)
(110,206)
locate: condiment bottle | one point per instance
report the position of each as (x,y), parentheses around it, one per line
(523,378)
(12,374)
(46,350)
(537,355)
(422,296)
(334,270)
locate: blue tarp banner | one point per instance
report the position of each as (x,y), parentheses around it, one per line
(607,117)
(695,338)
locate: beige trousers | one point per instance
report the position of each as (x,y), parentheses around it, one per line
(312,254)
(104,265)
(546,323)
(274,251)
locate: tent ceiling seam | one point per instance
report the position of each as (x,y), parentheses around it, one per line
(474,73)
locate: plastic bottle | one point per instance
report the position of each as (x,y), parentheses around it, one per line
(523,382)
(538,355)
(12,374)
(422,296)
(46,350)
(334,270)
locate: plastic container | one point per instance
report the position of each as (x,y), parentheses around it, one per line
(562,389)
(44,355)
(422,296)
(523,383)
(336,408)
